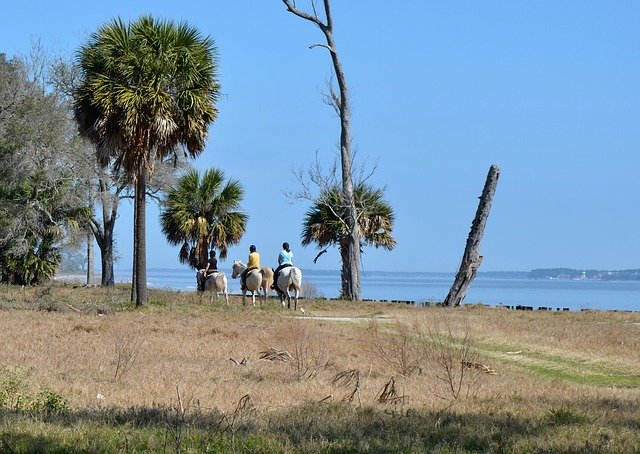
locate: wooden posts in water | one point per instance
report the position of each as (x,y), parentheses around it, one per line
(471,259)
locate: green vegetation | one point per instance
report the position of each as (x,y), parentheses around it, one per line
(200,213)
(324,223)
(561,366)
(148,91)
(320,428)
(42,200)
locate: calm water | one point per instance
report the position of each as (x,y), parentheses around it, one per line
(431,287)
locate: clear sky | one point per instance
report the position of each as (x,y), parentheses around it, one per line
(547,90)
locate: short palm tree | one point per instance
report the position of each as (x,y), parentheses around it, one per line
(324,223)
(202,213)
(148,90)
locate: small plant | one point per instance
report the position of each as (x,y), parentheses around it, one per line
(310,291)
(49,402)
(46,302)
(13,389)
(176,421)
(310,358)
(454,361)
(309,354)
(15,395)
(566,416)
(126,348)
(402,348)
(245,409)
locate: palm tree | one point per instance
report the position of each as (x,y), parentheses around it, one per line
(201,213)
(324,223)
(148,90)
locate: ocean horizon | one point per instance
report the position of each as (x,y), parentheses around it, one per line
(489,288)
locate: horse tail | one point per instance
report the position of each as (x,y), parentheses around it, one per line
(296,278)
(221,281)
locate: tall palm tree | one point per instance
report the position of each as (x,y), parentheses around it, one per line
(148,90)
(201,213)
(324,223)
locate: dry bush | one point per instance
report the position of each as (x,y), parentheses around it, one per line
(310,291)
(345,379)
(402,348)
(307,354)
(126,348)
(389,394)
(244,411)
(454,362)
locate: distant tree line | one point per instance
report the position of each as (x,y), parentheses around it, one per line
(596,275)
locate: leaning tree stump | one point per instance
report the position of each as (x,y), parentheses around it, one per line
(471,259)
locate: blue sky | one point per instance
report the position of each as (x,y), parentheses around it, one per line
(549,91)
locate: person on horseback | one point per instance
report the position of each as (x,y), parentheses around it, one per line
(285,259)
(210,267)
(252,264)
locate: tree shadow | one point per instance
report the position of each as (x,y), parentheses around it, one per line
(329,427)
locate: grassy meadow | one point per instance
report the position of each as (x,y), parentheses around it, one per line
(82,370)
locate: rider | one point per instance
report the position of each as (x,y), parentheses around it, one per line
(252,264)
(210,268)
(285,259)
(212,265)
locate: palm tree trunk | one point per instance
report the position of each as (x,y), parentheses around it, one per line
(344,272)
(141,239)
(135,242)
(347,278)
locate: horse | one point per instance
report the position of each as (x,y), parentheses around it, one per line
(215,282)
(289,278)
(256,280)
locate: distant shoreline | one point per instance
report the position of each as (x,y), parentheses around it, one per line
(569,274)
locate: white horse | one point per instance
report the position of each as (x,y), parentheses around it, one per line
(255,280)
(215,282)
(289,278)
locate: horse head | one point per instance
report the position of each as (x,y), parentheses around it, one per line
(237,268)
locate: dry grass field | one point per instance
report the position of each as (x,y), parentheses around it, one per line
(81,370)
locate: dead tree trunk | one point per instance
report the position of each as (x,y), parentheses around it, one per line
(350,267)
(90,257)
(471,259)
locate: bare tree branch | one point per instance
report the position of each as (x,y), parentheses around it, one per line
(321,45)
